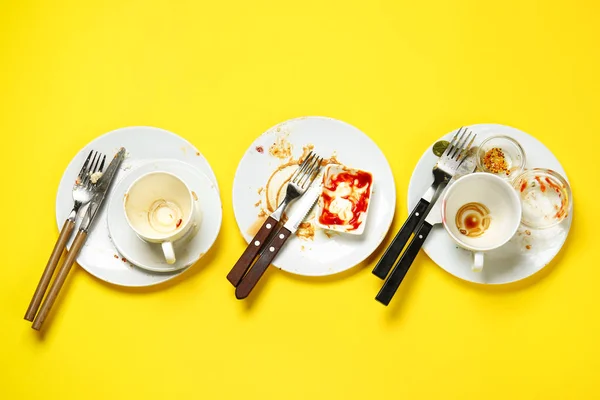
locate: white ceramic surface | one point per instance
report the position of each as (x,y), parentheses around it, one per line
(526,253)
(142,144)
(191,247)
(324,255)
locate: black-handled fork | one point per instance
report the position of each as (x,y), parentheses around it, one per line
(443,171)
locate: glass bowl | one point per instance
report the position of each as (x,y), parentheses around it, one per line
(502,156)
(545,197)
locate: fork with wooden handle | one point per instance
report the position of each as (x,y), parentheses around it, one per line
(98,191)
(295,188)
(81,196)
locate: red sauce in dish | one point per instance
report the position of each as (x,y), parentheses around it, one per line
(542,186)
(357,179)
(523,186)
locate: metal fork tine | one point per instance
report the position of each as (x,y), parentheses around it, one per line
(86,177)
(101,169)
(303,168)
(85,164)
(310,175)
(468,146)
(96,163)
(297,172)
(459,145)
(452,144)
(306,171)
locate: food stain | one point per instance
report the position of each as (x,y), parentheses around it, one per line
(274,190)
(257,203)
(281,176)
(523,186)
(542,186)
(124,259)
(306,231)
(282,148)
(116,256)
(473,219)
(528,247)
(260,149)
(198,153)
(194,195)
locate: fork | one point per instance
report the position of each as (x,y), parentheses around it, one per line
(443,171)
(82,195)
(295,188)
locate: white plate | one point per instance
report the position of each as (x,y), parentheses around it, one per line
(143,144)
(189,249)
(324,255)
(526,253)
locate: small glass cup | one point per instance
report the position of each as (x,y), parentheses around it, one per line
(545,197)
(514,155)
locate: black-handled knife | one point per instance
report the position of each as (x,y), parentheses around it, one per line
(433,217)
(392,283)
(414,221)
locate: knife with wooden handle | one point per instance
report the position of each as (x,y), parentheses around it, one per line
(102,188)
(297,215)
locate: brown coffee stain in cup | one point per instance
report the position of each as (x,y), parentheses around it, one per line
(473,219)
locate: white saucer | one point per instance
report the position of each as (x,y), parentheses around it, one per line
(189,249)
(526,253)
(324,255)
(143,144)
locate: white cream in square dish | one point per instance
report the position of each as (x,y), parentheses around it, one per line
(344,202)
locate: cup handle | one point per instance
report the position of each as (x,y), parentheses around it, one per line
(169,252)
(477,261)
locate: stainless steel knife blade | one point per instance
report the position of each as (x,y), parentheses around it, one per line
(102,187)
(303,206)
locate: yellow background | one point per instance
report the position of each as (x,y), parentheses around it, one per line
(219,74)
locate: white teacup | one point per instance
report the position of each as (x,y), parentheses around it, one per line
(480,229)
(160,208)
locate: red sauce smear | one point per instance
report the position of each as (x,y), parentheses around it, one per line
(179,221)
(562,211)
(260,149)
(523,186)
(542,186)
(553,185)
(358,179)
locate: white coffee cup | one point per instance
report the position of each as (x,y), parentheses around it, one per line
(160,208)
(463,199)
